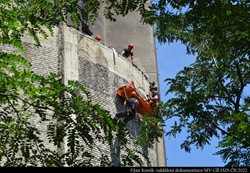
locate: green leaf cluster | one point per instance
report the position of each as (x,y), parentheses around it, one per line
(150,131)
(210,96)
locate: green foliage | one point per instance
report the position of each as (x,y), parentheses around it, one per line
(209,102)
(236,147)
(210,96)
(39,17)
(150,130)
(30,101)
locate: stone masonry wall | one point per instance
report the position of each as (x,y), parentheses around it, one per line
(44,60)
(102,71)
(94,65)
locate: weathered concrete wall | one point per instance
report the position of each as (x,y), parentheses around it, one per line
(113,63)
(44,60)
(94,65)
(129,29)
(102,72)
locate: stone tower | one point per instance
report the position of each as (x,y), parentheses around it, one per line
(126,30)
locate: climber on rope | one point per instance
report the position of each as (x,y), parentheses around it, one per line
(131,105)
(154,96)
(128,52)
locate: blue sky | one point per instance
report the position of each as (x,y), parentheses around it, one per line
(171,59)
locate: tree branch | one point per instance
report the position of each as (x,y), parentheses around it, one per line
(242,85)
(214,124)
(18,116)
(25,101)
(229,97)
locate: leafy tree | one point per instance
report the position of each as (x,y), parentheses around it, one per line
(209,95)
(150,130)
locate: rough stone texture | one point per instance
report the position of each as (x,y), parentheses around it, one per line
(97,67)
(103,80)
(44,60)
(128,29)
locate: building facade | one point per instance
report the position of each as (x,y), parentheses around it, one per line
(99,67)
(118,35)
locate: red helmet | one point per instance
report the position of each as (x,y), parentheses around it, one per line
(133,94)
(131,45)
(98,37)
